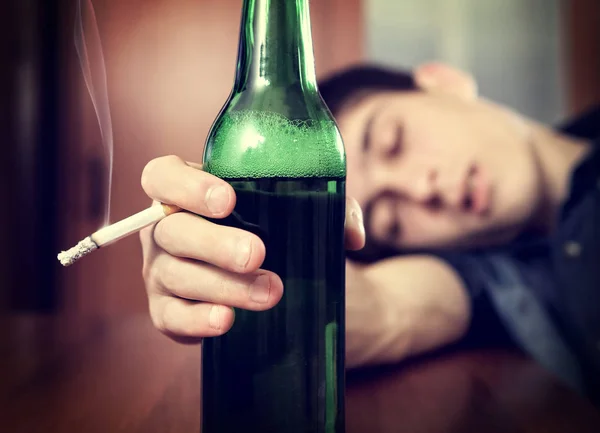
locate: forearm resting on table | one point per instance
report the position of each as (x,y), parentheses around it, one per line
(422,305)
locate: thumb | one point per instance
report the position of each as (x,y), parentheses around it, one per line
(355,229)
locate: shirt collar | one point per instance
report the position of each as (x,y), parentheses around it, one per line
(585,177)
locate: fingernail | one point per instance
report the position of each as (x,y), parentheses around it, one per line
(214,318)
(217,199)
(260,289)
(243,252)
(358,218)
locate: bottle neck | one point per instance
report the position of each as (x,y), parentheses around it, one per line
(275,47)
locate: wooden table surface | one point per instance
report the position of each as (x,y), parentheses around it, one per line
(123,376)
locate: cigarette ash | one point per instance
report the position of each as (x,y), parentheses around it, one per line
(83,248)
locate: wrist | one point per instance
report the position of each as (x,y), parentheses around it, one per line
(394,318)
(422,305)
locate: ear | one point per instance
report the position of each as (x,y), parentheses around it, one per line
(441,78)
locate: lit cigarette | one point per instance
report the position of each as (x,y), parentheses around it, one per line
(115,232)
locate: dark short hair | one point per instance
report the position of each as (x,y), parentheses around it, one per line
(341,87)
(347,87)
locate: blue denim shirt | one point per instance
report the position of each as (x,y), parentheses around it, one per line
(545,292)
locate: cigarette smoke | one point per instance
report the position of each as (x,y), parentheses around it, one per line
(91,59)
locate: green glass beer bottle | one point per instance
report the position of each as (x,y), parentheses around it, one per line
(276,143)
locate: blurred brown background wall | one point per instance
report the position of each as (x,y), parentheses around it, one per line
(582,49)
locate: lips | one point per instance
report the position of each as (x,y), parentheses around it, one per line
(477,192)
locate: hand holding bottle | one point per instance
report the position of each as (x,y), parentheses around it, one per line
(195,271)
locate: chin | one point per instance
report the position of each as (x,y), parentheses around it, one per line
(510,214)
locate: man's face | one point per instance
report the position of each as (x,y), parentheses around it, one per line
(438,171)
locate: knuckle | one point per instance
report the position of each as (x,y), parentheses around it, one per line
(173,159)
(217,285)
(167,274)
(163,235)
(168,318)
(153,277)
(146,239)
(148,174)
(157,316)
(222,290)
(148,244)
(146,273)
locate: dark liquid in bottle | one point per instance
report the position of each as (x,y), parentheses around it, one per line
(277,371)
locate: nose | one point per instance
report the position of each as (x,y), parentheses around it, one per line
(422,187)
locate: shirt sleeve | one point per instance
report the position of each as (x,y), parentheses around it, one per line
(508,305)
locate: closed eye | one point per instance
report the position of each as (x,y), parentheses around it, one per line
(397,146)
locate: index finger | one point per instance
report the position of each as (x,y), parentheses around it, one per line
(171,180)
